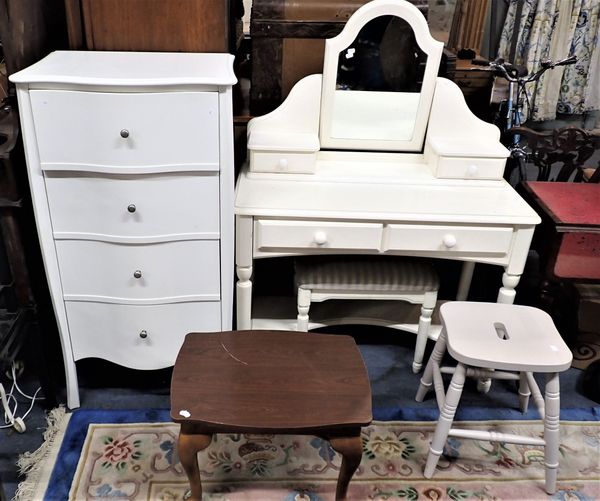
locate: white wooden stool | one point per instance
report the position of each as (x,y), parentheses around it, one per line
(383,278)
(488,339)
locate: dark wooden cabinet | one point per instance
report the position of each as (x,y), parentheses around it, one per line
(150,25)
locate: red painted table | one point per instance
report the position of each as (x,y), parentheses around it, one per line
(570,230)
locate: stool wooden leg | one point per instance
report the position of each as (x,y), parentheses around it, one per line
(188,446)
(351,450)
(524,392)
(433,364)
(551,430)
(303,308)
(445,420)
(422,335)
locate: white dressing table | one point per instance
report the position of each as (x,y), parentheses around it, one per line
(434,189)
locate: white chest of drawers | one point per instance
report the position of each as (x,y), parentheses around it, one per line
(130,162)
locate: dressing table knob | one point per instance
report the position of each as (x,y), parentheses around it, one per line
(283,163)
(137,274)
(472,170)
(449,241)
(131,208)
(143,334)
(124,133)
(320,237)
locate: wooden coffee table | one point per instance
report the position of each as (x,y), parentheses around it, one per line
(279,382)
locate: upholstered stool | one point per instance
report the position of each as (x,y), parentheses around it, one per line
(384,278)
(487,340)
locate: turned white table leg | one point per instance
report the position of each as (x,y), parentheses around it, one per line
(303,308)
(507,293)
(243,289)
(445,420)
(464,283)
(243,261)
(551,430)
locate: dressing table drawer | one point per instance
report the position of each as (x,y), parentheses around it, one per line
(128,208)
(139,273)
(449,239)
(104,131)
(470,168)
(139,337)
(293,162)
(289,235)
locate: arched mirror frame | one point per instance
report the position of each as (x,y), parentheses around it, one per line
(333,46)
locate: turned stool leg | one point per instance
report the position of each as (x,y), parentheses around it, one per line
(445,420)
(433,364)
(188,446)
(551,430)
(351,450)
(524,392)
(303,307)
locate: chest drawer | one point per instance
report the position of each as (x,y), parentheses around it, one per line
(104,132)
(290,234)
(139,274)
(449,239)
(140,337)
(111,207)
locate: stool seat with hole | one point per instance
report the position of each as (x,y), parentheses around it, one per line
(490,340)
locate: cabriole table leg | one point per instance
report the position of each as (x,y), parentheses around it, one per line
(188,446)
(351,450)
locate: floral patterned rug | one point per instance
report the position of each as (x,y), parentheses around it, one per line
(133,461)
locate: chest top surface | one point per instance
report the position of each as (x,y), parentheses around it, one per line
(129,69)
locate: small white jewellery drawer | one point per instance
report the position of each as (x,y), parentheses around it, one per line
(453,239)
(140,274)
(290,234)
(140,337)
(108,132)
(470,168)
(113,207)
(298,162)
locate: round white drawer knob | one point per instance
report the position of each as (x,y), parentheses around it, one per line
(472,170)
(320,237)
(283,163)
(449,241)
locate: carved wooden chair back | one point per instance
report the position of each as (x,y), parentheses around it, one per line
(567,148)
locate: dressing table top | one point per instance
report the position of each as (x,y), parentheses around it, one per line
(339,189)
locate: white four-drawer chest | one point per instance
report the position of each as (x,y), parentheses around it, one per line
(130,162)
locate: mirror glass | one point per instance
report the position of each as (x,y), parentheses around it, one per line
(378,82)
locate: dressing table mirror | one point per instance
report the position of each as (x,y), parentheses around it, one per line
(378,80)
(377,155)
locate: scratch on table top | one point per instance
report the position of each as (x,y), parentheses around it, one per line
(232,355)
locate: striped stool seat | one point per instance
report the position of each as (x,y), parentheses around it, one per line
(379,278)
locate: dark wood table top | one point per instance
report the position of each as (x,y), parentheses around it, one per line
(270,382)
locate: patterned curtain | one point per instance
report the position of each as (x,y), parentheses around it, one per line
(555,29)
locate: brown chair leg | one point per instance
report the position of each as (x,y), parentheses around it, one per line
(188,446)
(351,450)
